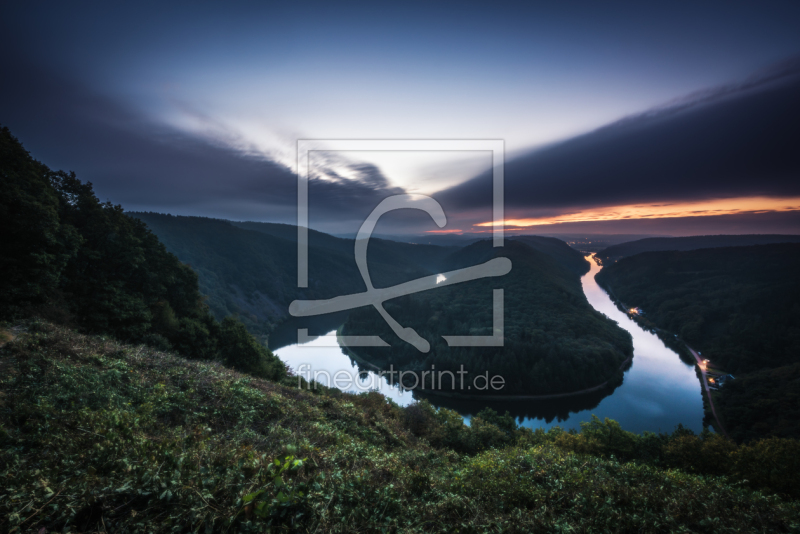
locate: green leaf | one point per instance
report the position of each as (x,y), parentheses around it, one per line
(251,496)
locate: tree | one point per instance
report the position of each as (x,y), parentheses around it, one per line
(36,246)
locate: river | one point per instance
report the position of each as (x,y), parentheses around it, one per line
(658,392)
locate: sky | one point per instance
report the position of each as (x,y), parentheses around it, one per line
(670,118)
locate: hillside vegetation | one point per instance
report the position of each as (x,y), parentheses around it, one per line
(740,306)
(95,435)
(554,341)
(655,244)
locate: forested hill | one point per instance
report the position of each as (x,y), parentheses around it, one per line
(740,306)
(250,269)
(382,253)
(555,342)
(562,253)
(653,244)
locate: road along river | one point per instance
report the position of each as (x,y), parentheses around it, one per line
(658,392)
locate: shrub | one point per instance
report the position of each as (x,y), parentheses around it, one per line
(240,350)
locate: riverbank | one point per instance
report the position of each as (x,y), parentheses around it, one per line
(707,390)
(466,396)
(686,352)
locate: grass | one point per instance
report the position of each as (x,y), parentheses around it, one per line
(100,436)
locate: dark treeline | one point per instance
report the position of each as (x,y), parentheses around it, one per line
(654,244)
(555,341)
(71,258)
(741,307)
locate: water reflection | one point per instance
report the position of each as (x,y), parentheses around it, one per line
(548,412)
(325,361)
(286,333)
(658,392)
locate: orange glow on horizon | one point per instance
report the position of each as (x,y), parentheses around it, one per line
(454,231)
(704,208)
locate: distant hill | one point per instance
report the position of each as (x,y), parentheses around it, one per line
(741,307)
(653,244)
(565,255)
(383,252)
(554,341)
(250,269)
(586,242)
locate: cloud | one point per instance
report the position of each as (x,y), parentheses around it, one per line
(772,222)
(331,166)
(145,165)
(735,141)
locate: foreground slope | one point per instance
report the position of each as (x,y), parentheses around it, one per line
(97,435)
(740,306)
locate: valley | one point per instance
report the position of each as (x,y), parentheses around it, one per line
(657,392)
(738,306)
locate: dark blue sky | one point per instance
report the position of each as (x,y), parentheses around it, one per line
(195,107)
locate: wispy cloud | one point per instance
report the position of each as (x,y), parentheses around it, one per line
(736,142)
(202,168)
